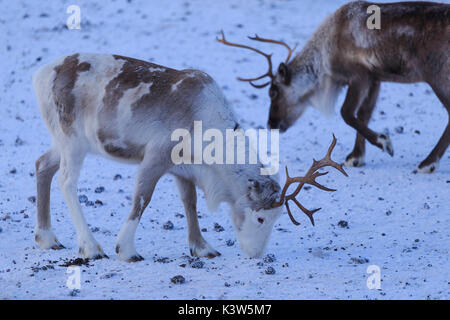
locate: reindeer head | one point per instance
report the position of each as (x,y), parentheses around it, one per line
(254,216)
(256,212)
(288,101)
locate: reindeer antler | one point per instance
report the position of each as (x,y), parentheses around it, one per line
(257,38)
(309,178)
(267,56)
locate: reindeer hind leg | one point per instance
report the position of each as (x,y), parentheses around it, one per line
(46,167)
(431,163)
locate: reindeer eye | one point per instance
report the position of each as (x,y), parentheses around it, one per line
(273,92)
(261,220)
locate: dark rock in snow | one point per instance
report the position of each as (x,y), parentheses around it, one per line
(99,189)
(74,292)
(168,225)
(178,279)
(230,243)
(218,227)
(197,264)
(269,258)
(82,198)
(359,260)
(399,129)
(32,199)
(343,224)
(270,270)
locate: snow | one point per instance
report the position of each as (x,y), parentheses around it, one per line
(397,220)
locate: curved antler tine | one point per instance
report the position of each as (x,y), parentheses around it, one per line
(291,216)
(252,79)
(269,73)
(309,213)
(333,163)
(290,51)
(331,147)
(287,173)
(321,187)
(259,86)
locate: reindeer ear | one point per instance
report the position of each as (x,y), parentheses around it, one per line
(254,185)
(284,73)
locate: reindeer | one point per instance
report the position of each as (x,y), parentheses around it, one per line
(126,109)
(412,45)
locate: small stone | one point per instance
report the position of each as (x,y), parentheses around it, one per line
(117,177)
(82,198)
(388,213)
(270,270)
(98,202)
(227,284)
(359,260)
(230,243)
(108,275)
(269,258)
(399,129)
(13,171)
(32,199)
(74,292)
(218,227)
(99,189)
(89,203)
(426,206)
(178,279)
(168,225)
(18,142)
(197,264)
(343,224)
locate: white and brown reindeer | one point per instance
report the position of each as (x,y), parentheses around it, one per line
(411,45)
(126,109)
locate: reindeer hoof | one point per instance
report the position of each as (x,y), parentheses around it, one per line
(203,251)
(99,256)
(385,144)
(57,246)
(213,255)
(427,168)
(352,161)
(91,251)
(46,239)
(135,258)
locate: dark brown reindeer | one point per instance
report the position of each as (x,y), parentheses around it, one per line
(412,45)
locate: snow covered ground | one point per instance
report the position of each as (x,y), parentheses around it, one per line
(396,220)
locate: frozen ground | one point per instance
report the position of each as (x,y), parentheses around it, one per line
(396,220)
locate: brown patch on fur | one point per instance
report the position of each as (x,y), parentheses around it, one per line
(66,76)
(130,151)
(133,73)
(397,49)
(189,83)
